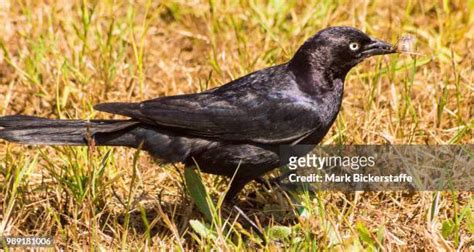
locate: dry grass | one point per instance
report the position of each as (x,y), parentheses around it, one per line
(60,57)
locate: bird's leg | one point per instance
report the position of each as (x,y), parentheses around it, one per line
(236,186)
(262,181)
(251,223)
(267,183)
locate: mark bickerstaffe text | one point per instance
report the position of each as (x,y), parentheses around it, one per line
(352,162)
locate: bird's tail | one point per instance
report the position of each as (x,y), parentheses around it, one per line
(43,131)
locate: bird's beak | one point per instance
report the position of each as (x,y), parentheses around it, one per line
(378,47)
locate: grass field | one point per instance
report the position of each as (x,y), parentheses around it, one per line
(58,58)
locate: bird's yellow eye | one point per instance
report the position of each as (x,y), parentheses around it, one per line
(354,46)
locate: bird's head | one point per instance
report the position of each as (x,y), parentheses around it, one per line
(338,49)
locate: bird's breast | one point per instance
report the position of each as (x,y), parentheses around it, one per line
(327,107)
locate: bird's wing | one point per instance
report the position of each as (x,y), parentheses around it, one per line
(227,117)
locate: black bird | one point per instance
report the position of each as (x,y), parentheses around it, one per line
(236,127)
